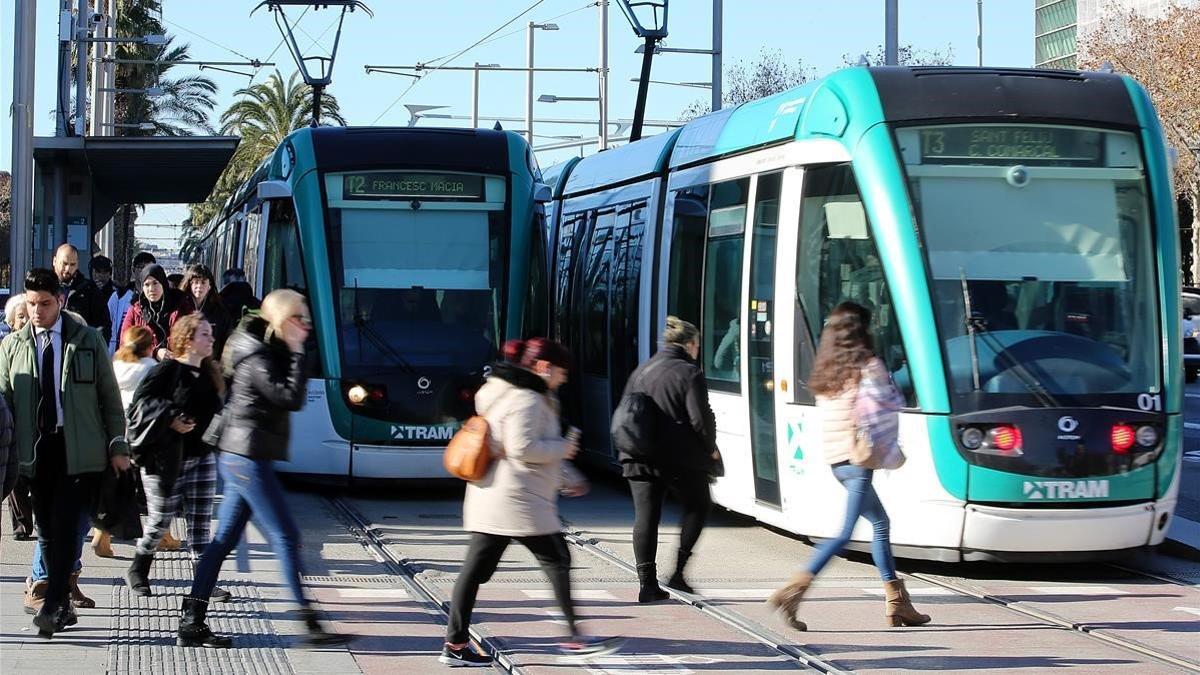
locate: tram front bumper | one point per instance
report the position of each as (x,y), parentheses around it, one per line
(1042,531)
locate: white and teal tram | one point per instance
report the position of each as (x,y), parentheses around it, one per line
(1013,232)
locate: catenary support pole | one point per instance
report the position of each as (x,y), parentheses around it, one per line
(891,38)
(24,48)
(529,83)
(718,45)
(602,143)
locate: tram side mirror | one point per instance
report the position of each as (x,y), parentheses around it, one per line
(542,193)
(274,189)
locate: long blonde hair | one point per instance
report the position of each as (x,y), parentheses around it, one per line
(279,306)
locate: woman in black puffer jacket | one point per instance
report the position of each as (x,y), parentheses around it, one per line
(266,356)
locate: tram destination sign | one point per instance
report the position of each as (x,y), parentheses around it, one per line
(990,144)
(411,185)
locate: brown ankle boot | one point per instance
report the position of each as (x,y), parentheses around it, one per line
(787,599)
(900,611)
(78,599)
(35,595)
(102,543)
(168,542)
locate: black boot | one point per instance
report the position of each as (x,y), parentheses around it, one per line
(648,578)
(138,576)
(193,632)
(48,620)
(677,581)
(317,636)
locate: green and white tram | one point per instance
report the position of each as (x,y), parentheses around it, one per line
(421,251)
(1013,232)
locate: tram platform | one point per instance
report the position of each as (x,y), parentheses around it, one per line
(129,634)
(382,566)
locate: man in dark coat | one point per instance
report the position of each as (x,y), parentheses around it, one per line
(236,294)
(82,295)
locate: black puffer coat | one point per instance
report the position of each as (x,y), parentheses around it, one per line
(688,430)
(268,382)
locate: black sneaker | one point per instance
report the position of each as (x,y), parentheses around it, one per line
(590,646)
(465,657)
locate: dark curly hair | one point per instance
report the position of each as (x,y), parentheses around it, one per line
(844,349)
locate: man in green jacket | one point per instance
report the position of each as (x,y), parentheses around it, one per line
(70,427)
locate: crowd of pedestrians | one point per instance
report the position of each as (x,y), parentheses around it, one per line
(202,382)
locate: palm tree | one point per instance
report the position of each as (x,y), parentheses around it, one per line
(186,103)
(263,116)
(271,110)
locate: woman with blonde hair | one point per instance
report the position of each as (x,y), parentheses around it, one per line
(266,356)
(179,469)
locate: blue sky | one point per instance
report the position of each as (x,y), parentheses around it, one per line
(405,32)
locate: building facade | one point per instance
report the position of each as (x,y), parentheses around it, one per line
(1061,25)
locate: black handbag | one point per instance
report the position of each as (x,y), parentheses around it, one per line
(148,424)
(116,510)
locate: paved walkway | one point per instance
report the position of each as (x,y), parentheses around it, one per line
(129,634)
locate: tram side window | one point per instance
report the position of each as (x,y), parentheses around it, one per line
(564,273)
(595,298)
(838,261)
(687,252)
(284,266)
(623,314)
(723,283)
(250,264)
(534,323)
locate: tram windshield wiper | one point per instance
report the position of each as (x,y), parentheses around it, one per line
(377,341)
(977,328)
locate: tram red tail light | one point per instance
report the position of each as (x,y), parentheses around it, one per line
(1122,438)
(1005,437)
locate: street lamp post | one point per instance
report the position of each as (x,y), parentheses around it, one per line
(529,74)
(602,142)
(475,91)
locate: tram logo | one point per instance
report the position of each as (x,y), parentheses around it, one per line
(422,433)
(1067,424)
(423,383)
(1066,489)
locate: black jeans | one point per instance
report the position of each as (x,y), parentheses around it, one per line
(692,491)
(58,501)
(483,556)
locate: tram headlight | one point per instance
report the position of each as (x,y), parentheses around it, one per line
(357,394)
(971,437)
(1146,436)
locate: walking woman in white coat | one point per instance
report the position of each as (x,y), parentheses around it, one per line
(518,497)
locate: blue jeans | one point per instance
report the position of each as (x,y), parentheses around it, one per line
(252,490)
(38,571)
(861,500)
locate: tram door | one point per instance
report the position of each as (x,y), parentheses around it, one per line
(759,335)
(595,386)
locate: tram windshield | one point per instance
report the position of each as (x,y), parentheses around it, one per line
(418,281)
(1039,246)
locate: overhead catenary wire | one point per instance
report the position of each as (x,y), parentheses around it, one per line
(277,46)
(520,30)
(481,40)
(212,42)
